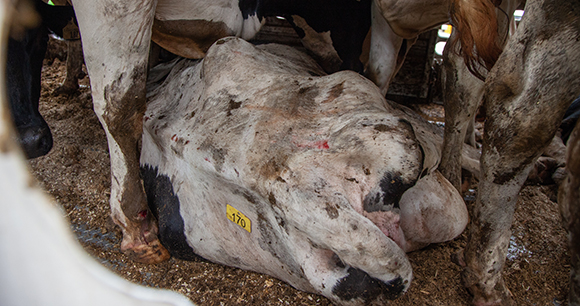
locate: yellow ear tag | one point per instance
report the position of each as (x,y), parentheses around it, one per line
(449,29)
(238,218)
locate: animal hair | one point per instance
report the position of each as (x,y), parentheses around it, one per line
(476,23)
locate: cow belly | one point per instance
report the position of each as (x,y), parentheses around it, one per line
(189,28)
(188,38)
(265,165)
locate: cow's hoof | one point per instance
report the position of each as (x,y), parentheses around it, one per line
(499,295)
(36,141)
(501,301)
(150,253)
(66,89)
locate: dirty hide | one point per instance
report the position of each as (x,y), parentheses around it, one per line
(254,158)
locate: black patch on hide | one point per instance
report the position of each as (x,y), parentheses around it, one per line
(388,195)
(165,206)
(358,284)
(249,8)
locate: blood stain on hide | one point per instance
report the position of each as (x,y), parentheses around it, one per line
(320,144)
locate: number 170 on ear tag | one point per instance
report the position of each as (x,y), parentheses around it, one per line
(238,218)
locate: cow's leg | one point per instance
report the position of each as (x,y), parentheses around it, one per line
(74,65)
(569,200)
(525,100)
(461,95)
(23,72)
(116,38)
(384,59)
(348,38)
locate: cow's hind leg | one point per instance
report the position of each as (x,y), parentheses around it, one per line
(462,93)
(116,38)
(525,96)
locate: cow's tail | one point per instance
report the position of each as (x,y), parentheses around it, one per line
(476,23)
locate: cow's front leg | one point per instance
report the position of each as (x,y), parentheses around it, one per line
(509,150)
(525,101)
(116,38)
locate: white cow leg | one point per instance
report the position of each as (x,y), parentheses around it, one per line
(384,51)
(116,40)
(505,164)
(461,95)
(74,65)
(525,103)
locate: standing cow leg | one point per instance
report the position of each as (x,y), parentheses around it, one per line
(461,94)
(526,95)
(23,70)
(116,38)
(384,51)
(569,200)
(74,67)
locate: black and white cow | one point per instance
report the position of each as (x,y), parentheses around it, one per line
(254,158)
(23,71)
(116,38)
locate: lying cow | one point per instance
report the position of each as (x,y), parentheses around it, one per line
(254,158)
(116,39)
